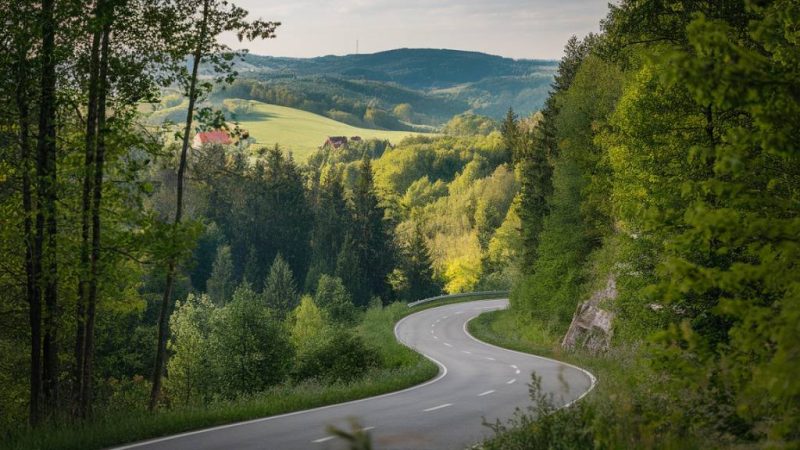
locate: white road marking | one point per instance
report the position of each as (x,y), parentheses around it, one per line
(328,438)
(511,381)
(517,372)
(464,351)
(485,393)
(444,317)
(447,344)
(460,312)
(490,358)
(435,336)
(513,366)
(592,378)
(437,407)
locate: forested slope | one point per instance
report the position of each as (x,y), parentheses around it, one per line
(666,159)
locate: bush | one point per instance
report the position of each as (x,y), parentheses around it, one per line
(342,358)
(249,346)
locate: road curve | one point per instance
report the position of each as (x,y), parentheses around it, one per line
(476,380)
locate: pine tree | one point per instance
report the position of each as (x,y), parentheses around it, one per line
(349,270)
(332,218)
(511,133)
(251,271)
(370,237)
(333,297)
(280,290)
(220,284)
(418,269)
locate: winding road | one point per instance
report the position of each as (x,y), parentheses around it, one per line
(476,380)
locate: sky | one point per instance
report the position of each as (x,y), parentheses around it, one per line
(533,29)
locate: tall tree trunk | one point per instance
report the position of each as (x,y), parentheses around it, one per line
(46,220)
(88,176)
(88,362)
(31,291)
(163,318)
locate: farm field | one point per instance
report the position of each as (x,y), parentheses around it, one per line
(299,131)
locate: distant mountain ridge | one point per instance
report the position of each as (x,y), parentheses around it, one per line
(400,89)
(413,68)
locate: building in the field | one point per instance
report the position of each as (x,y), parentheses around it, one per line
(337,142)
(215,137)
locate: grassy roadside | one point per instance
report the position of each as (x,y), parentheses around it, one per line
(402,368)
(504,329)
(627,408)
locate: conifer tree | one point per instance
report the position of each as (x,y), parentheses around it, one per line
(332,296)
(332,217)
(417,265)
(280,290)
(370,237)
(220,285)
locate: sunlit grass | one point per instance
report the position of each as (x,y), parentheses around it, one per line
(302,132)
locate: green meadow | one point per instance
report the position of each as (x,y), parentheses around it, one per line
(300,132)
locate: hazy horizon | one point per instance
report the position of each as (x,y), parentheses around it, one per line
(518,29)
(402,48)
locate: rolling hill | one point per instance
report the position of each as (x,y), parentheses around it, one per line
(298,131)
(436,84)
(423,69)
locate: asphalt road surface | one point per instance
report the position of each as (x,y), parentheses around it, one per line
(476,380)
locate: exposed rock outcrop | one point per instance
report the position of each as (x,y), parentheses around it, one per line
(591,324)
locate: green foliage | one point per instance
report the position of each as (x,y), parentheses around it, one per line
(341,357)
(250,349)
(309,328)
(543,425)
(417,270)
(469,124)
(220,285)
(371,239)
(333,298)
(673,141)
(331,224)
(280,291)
(242,200)
(190,371)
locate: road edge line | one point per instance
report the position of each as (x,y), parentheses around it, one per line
(592,378)
(442,373)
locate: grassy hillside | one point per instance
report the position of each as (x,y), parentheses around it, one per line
(299,131)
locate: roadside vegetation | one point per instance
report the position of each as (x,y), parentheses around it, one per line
(662,174)
(151,285)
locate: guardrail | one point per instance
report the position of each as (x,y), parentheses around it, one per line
(455,296)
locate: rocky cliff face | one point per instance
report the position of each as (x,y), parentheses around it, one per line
(591,325)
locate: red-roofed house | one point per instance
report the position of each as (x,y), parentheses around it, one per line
(216,137)
(336,141)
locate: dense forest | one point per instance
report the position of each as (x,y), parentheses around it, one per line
(662,175)
(142,273)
